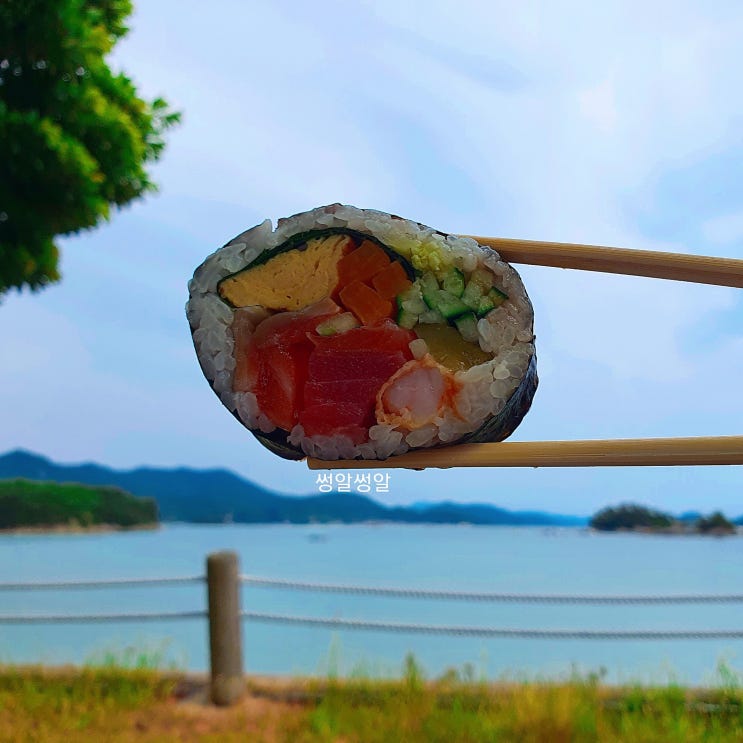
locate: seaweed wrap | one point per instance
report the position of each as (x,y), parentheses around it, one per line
(350,333)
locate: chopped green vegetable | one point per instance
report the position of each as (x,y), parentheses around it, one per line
(414,292)
(453,282)
(472,295)
(467,327)
(429,289)
(484,306)
(454,300)
(431,316)
(497,297)
(416,305)
(449,305)
(338,324)
(407,319)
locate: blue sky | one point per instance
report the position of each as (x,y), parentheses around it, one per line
(617,123)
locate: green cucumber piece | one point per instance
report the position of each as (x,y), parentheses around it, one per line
(453,282)
(449,305)
(338,324)
(413,293)
(407,319)
(467,326)
(416,305)
(497,297)
(472,295)
(494,298)
(485,305)
(429,289)
(432,317)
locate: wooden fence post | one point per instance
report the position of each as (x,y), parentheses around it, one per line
(225,635)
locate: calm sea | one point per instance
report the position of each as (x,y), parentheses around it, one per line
(448,557)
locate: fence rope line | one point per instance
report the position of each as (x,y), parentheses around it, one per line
(395,592)
(420,593)
(374,625)
(109,583)
(99,618)
(506,632)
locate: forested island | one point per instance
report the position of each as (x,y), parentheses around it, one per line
(631,517)
(25,504)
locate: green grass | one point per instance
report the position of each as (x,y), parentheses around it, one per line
(38,705)
(128,705)
(457,708)
(144,656)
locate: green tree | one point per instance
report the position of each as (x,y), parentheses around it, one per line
(630,516)
(74,136)
(716,523)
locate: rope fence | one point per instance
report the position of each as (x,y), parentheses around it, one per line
(373,625)
(526,598)
(225,614)
(533,634)
(99,618)
(389,591)
(109,583)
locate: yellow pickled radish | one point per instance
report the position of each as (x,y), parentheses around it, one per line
(448,347)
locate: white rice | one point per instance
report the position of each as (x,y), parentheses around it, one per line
(506,333)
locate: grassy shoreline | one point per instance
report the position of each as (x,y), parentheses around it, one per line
(115,704)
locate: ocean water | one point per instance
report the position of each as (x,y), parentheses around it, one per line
(501,559)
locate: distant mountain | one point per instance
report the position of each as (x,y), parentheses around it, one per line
(216,496)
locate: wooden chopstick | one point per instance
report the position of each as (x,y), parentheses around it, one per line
(703,450)
(699,269)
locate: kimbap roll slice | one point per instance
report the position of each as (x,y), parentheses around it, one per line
(350,333)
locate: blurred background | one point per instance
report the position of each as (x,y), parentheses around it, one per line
(613,124)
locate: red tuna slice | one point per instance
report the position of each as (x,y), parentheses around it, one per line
(333,419)
(278,356)
(344,375)
(355,365)
(349,376)
(280,381)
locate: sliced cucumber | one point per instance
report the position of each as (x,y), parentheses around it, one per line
(449,305)
(453,282)
(497,297)
(406,319)
(484,306)
(429,289)
(431,317)
(416,305)
(472,295)
(409,294)
(338,324)
(467,326)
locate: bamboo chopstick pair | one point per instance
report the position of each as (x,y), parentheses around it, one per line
(703,450)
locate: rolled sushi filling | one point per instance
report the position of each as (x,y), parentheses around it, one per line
(357,346)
